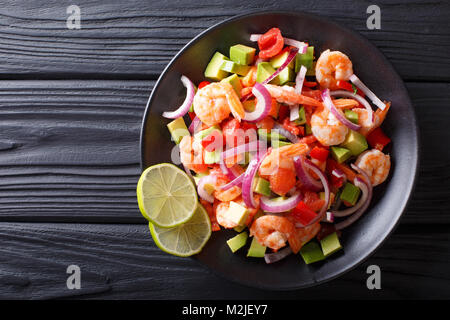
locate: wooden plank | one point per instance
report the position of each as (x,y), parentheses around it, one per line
(136,39)
(121,261)
(70,151)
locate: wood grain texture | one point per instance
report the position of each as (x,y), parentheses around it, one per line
(70,151)
(136,39)
(121,261)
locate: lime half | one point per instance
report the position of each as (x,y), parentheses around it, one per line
(166,195)
(186,239)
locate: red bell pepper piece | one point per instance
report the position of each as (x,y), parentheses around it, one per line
(377,139)
(320,154)
(283,112)
(348,86)
(303,214)
(270,43)
(203,84)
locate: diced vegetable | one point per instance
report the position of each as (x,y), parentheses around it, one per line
(355,142)
(238,241)
(351,115)
(262,186)
(303,214)
(319,153)
(377,139)
(232,67)
(242,54)
(340,154)
(350,193)
(213,70)
(256,250)
(305,59)
(265,70)
(270,43)
(330,244)
(311,252)
(235,83)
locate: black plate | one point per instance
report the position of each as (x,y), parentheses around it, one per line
(390,199)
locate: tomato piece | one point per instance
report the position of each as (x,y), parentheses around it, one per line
(320,154)
(303,213)
(191,115)
(229,130)
(313,201)
(377,139)
(308,139)
(270,43)
(203,84)
(349,87)
(213,141)
(310,84)
(282,181)
(266,123)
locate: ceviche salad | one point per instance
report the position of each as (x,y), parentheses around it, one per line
(282,147)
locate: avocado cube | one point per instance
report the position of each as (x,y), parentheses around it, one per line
(262,186)
(237,213)
(311,72)
(239,228)
(279,143)
(301,116)
(178,129)
(340,154)
(351,115)
(256,250)
(249,105)
(235,83)
(233,67)
(286,75)
(308,129)
(280,58)
(265,70)
(350,193)
(206,132)
(238,241)
(311,252)
(330,244)
(242,54)
(355,142)
(213,70)
(212,157)
(305,59)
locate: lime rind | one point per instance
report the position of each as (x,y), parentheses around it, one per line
(166,195)
(184,240)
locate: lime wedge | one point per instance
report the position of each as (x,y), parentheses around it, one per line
(186,239)
(166,195)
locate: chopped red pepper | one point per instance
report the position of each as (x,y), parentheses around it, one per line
(191,115)
(270,43)
(303,214)
(213,141)
(203,84)
(320,154)
(377,139)
(310,84)
(348,86)
(291,127)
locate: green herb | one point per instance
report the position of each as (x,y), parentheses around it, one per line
(355,89)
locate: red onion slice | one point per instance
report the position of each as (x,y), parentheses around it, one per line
(247,182)
(337,113)
(200,188)
(188,172)
(357,97)
(291,56)
(326,188)
(376,101)
(347,222)
(277,256)
(294,115)
(299,79)
(263,104)
(184,108)
(248,147)
(231,173)
(309,182)
(286,133)
(195,125)
(270,205)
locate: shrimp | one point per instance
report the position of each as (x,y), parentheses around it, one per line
(282,158)
(221,180)
(363,119)
(191,154)
(332,66)
(327,129)
(288,95)
(376,164)
(273,231)
(305,234)
(214,102)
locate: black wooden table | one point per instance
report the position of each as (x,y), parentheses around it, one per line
(71,102)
